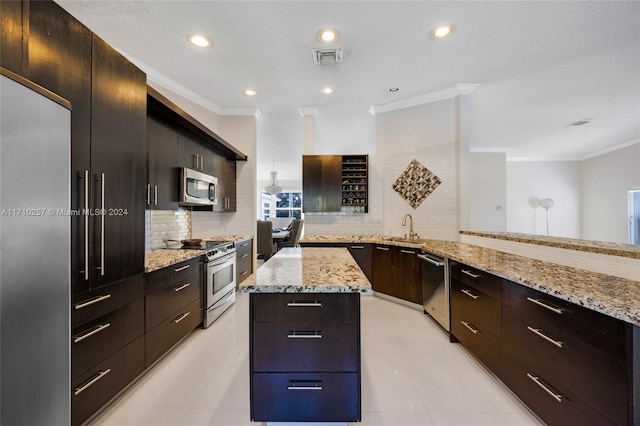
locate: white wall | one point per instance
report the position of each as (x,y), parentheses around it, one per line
(280,139)
(428,134)
(341,131)
(606,180)
(487,192)
(530,181)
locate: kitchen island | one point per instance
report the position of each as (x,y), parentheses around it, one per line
(305,336)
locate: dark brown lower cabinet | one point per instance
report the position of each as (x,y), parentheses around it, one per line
(94,388)
(244,260)
(569,364)
(305,357)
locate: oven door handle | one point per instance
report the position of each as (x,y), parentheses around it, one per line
(222,260)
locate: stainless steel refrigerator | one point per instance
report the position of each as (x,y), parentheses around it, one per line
(35,135)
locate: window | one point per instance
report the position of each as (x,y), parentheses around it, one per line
(289,204)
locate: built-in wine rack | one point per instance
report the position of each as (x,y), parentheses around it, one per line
(355,182)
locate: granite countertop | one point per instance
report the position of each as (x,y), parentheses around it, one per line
(600,247)
(613,296)
(308,270)
(163,257)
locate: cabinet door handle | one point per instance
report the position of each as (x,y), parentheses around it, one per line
(357,247)
(382,248)
(472,275)
(91,382)
(555,395)
(244,255)
(539,333)
(183,316)
(93,330)
(102,217)
(195,161)
(182,287)
(315,334)
(182,268)
(314,304)
(470,327)
(148,194)
(304,385)
(407,252)
(544,305)
(244,272)
(92,301)
(86,225)
(468,293)
(155,195)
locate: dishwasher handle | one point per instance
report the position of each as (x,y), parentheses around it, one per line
(430,260)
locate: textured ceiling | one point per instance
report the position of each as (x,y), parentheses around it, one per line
(539,65)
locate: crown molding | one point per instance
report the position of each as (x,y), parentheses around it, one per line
(452,92)
(160,79)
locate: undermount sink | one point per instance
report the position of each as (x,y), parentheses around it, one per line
(404,240)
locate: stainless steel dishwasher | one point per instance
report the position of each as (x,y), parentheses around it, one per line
(435,287)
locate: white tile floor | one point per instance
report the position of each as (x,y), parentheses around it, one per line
(411,375)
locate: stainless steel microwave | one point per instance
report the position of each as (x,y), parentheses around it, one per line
(197,189)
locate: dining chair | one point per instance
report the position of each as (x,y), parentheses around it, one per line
(265,245)
(294,237)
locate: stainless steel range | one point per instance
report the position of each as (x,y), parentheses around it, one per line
(220,278)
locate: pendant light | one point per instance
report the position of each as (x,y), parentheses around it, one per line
(274,188)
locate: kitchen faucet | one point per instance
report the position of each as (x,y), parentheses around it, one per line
(412,235)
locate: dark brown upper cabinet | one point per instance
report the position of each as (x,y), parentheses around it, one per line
(321,183)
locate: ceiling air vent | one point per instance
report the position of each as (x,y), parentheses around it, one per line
(327,56)
(579,123)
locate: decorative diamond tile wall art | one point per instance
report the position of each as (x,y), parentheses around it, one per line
(416,183)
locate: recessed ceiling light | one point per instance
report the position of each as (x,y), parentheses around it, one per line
(200,40)
(327,36)
(250,92)
(442,32)
(326,90)
(393,89)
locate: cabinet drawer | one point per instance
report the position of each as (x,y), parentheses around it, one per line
(305,397)
(481,309)
(594,376)
(598,330)
(313,307)
(538,390)
(483,281)
(243,247)
(95,303)
(165,302)
(94,388)
(162,278)
(305,346)
(94,341)
(244,261)
(169,332)
(483,345)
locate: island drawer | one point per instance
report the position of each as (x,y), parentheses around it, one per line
(483,345)
(553,402)
(479,308)
(485,282)
(598,330)
(595,376)
(305,397)
(308,346)
(305,307)
(93,341)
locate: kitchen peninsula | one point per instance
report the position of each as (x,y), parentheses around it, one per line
(305,336)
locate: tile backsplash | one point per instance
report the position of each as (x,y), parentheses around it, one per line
(165,225)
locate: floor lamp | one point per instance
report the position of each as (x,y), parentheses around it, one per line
(547,203)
